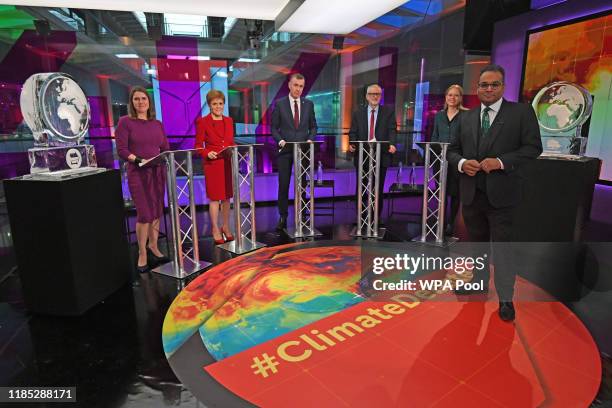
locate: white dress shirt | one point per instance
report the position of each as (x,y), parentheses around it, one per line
(292,104)
(493,110)
(370,109)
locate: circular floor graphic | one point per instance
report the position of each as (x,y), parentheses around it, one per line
(288,326)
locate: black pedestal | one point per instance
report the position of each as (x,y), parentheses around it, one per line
(69,240)
(549,222)
(557,199)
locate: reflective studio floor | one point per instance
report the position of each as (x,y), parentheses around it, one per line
(113,354)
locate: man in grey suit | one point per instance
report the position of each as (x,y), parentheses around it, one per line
(293,120)
(493,141)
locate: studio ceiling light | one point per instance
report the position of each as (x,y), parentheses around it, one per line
(252,9)
(331,16)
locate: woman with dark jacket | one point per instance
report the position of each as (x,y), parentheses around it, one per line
(446,124)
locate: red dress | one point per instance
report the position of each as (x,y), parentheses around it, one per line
(214,135)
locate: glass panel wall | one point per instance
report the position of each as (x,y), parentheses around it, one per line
(414,53)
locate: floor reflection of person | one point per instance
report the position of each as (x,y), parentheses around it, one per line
(457,351)
(446,124)
(139,137)
(215,132)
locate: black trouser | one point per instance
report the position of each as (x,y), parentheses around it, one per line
(381,187)
(485,223)
(285,166)
(452,191)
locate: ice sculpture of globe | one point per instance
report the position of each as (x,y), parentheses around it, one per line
(562,106)
(66,108)
(55,108)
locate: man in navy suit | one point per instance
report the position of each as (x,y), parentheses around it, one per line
(375,122)
(293,120)
(492,143)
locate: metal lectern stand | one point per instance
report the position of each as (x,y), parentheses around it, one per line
(303,211)
(245,223)
(368,183)
(432,221)
(186,254)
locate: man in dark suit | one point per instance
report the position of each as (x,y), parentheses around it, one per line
(375,122)
(493,141)
(293,120)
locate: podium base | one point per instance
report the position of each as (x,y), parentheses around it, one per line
(448,241)
(381,234)
(306,232)
(246,246)
(62,158)
(175,271)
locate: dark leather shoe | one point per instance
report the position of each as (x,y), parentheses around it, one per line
(282,224)
(506,311)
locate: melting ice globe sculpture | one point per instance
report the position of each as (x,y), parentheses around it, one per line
(56,110)
(562,108)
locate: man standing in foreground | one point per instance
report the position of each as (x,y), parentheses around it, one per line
(493,141)
(293,120)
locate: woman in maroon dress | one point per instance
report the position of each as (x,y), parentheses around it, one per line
(140,137)
(215,132)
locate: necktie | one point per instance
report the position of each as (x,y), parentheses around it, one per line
(296,114)
(371,136)
(485,123)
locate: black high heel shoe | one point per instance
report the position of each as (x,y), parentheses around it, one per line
(156,260)
(142,269)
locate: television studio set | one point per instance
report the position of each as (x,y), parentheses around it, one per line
(305,203)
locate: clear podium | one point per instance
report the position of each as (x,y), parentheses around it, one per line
(434,194)
(303,168)
(368,182)
(185,259)
(243,175)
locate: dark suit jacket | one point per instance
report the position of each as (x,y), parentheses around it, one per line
(283,127)
(514,138)
(385,129)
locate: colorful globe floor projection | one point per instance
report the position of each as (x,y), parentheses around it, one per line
(289,326)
